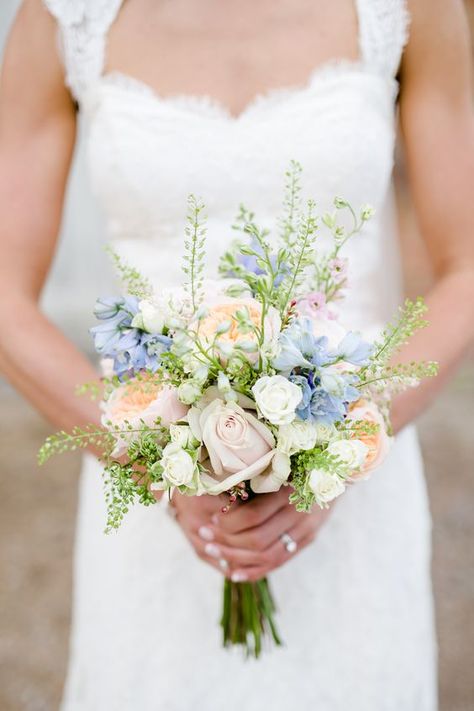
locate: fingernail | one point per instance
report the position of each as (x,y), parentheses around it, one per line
(212,550)
(223,564)
(206,533)
(215,519)
(238,577)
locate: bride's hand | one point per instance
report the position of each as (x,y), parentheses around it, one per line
(248,537)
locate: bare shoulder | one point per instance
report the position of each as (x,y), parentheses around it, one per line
(439,46)
(32,80)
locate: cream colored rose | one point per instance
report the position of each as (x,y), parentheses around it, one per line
(351,452)
(325,433)
(378,444)
(273,478)
(178,466)
(325,486)
(297,436)
(220,320)
(239,446)
(277,398)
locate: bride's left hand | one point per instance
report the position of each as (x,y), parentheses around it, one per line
(258,526)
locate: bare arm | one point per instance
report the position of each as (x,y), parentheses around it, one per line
(437,120)
(37,134)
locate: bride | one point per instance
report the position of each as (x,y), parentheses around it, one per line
(186,96)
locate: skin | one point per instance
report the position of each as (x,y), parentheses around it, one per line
(37,135)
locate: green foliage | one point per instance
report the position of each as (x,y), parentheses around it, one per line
(291,204)
(78,438)
(193,260)
(398,332)
(302,465)
(396,377)
(135,283)
(93,390)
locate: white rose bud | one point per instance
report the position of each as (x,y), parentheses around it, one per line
(325,433)
(352,452)
(325,486)
(178,465)
(297,436)
(152,317)
(182,435)
(189,392)
(277,398)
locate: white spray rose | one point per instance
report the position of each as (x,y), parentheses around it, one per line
(152,316)
(325,433)
(178,465)
(182,435)
(325,486)
(352,452)
(277,398)
(297,436)
(189,392)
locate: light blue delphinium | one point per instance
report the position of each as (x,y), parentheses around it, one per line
(353,349)
(299,348)
(131,348)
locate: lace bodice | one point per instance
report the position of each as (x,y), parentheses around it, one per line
(147,152)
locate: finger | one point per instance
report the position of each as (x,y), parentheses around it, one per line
(254,573)
(235,557)
(252,513)
(260,537)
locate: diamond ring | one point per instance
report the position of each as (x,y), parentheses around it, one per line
(290,545)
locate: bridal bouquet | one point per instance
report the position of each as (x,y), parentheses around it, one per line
(246,383)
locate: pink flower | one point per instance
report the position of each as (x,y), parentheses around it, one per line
(137,402)
(312,305)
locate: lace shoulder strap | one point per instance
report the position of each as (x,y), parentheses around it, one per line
(83,27)
(384,28)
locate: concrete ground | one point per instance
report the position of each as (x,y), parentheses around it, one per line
(37,509)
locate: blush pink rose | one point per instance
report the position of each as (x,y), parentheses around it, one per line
(378,443)
(140,402)
(239,447)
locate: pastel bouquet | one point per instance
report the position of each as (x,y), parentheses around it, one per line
(244,384)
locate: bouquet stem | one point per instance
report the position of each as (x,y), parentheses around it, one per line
(248,616)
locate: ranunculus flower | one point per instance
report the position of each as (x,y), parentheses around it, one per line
(239,446)
(378,443)
(325,486)
(140,401)
(277,398)
(219,320)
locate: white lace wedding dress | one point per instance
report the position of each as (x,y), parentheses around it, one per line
(355,608)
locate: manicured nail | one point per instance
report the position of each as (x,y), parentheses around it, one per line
(215,519)
(206,533)
(223,564)
(212,550)
(238,577)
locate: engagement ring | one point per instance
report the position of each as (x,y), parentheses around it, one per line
(290,545)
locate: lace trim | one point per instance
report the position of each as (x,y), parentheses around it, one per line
(83,27)
(208,106)
(384,32)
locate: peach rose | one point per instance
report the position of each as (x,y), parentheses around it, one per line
(238,445)
(140,401)
(220,321)
(378,443)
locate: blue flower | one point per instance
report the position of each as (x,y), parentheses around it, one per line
(131,348)
(353,349)
(250,263)
(299,348)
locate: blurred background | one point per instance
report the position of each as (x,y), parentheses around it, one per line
(37,508)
